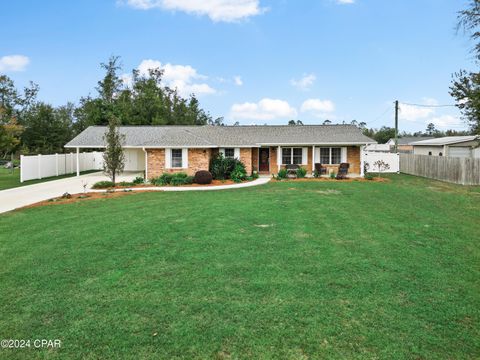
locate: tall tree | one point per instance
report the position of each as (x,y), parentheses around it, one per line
(113,156)
(465,88)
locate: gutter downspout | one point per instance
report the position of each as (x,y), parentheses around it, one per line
(146,162)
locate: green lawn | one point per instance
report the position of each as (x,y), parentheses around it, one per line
(10,180)
(293,270)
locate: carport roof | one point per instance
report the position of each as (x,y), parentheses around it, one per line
(224,136)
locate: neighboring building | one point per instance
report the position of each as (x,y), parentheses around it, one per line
(405,143)
(453,146)
(159,149)
(385,148)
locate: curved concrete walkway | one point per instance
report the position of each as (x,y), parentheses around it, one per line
(18,197)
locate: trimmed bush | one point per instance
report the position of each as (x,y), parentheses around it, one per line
(282,174)
(139,180)
(103,185)
(301,172)
(203,177)
(181,180)
(125,183)
(369,176)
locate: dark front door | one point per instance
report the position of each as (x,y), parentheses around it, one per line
(264,160)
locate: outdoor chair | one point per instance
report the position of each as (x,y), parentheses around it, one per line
(320,169)
(343,171)
(292,170)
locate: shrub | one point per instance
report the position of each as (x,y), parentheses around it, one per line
(282,174)
(369,176)
(254,175)
(203,177)
(301,172)
(103,185)
(170,179)
(239,173)
(125,183)
(181,180)
(221,168)
(333,175)
(139,180)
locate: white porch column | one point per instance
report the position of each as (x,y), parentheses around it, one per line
(279,157)
(78,161)
(362,161)
(313,158)
(146,163)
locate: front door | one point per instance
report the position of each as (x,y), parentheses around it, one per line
(264,160)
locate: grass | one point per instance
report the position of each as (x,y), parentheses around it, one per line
(10,180)
(288,270)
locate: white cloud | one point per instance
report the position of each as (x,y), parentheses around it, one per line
(237,80)
(414,113)
(317,107)
(14,63)
(305,83)
(216,10)
(184,78)
(446,121)
(265,109)
(343,2)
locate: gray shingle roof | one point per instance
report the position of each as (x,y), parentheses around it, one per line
(223,136)
(407,140)
(447,140)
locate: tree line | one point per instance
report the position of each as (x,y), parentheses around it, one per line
(30,126)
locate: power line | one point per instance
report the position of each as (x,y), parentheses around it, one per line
(380,116)
(428,106)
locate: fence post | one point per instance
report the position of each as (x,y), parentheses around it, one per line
(39,159)
(56,163)
(21,168)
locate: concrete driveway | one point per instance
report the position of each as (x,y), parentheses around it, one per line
(11,199)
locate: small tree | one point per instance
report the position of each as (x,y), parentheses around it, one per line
(381,166)
(113,157)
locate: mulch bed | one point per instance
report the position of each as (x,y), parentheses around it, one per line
(376,179)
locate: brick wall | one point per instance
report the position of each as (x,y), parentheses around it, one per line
(246,159)
(254,159)
(198,159)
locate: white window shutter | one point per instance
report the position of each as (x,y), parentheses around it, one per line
(237,153)
(304,156)
(344,154)
(184,158)
(222,151)
(279,156)
(168,158)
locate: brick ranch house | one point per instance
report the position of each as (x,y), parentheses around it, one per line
(266,149)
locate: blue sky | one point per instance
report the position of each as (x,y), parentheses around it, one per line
(252,61)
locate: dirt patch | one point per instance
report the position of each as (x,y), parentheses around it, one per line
(328,192)
(263,225)
(82,197)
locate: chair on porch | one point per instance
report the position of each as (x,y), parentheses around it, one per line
(292,170)
(342,171)
(320,170)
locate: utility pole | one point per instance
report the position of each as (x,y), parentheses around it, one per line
(396,126)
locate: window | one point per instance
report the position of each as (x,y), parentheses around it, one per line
(229,153)
(330,156)
(292,156)
(286,156)
(176,158)
(325,155)
(336,156)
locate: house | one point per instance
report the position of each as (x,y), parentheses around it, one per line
(405,143)
(266,149)
(453,146)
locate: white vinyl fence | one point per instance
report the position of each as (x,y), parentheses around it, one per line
(42,166)
(392,159)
